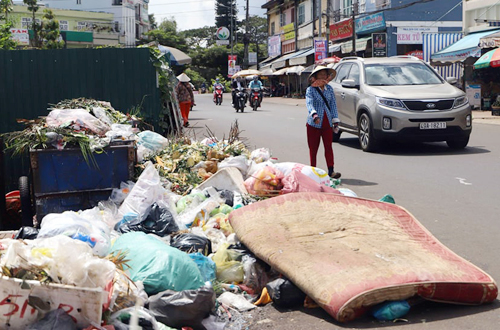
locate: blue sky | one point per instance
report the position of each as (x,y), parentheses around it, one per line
(191,14)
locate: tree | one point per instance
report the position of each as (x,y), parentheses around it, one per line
(35,26)
(258,32)
(196,78)
(200,37)
(167,35)
(6,42)
(152,22)
(50,31)
(223,14)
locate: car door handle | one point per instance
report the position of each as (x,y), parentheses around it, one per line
(342,95)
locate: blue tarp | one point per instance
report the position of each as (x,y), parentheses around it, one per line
(468,46)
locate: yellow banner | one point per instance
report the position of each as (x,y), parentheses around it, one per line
(288,28)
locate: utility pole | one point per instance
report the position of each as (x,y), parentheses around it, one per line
(246,39)
(232,29)
(319,19)
(328,10)
(353,53)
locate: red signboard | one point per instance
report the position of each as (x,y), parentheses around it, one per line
(341,30)
(416,53)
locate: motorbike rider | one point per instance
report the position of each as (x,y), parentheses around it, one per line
(256,84)
(217,84)
(235,85)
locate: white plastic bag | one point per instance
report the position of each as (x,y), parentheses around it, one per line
(122,132)
(255,167)
(118,195)
(78,119)
(235,301)
(240,162)
(102,115)
(152,141)
(260,155)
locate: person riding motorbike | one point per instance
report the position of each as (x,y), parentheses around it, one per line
(256,84)
(216,85)
(235,85)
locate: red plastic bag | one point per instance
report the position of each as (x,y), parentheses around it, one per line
(298,182)
(265,182)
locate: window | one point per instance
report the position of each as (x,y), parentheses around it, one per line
(346,8)
(293,15)
(82,26)
(354,73)
(273,28)
(362,6)
(343,72)
(26,22)
(63,26)
(302,13)
(117,2)
(78,2)
(282,19)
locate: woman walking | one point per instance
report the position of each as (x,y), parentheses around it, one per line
(323,116)
(184,96)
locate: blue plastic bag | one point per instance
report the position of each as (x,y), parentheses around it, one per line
(205,265)
(391,310)
(158,265)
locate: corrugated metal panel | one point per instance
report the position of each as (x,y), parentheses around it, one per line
(434,42)
(32,79)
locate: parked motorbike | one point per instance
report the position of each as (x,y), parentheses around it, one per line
(218,95)
(255,98)
(241,99)
(203,89)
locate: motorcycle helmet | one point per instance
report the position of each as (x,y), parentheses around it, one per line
(216,79)
(255,78)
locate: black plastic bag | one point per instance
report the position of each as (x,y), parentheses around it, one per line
(159,222)
(284,293)
(183,308)
(191,243)
(27,233)
(54,320)
(227,196)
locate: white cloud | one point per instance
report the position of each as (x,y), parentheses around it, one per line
(191,14)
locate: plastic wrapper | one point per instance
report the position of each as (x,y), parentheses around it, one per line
(126,293)
(184,308)
(265,182)
(54,320)
(86,226)
(255,275)
(195,215)
(27,233)
(205,265)
(159,266)
(159,221)
(101,114)
(121,319)
(146,191)
(298,182)
(118,195)
(216,237)
(64,260)
(240,162)
(191,243)
(391,310)
(227,196)
(235,301)
(260,155)
(347,192)
(121,132)
(152,141)
(190,201)
(285,294)
(255,167)
(317,174)
(78,120)
(229,270)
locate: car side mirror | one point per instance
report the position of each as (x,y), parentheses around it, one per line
(451,80)
(349,83)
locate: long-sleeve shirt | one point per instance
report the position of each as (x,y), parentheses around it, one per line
(184,92)
(316,105)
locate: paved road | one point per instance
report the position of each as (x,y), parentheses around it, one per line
(454,194)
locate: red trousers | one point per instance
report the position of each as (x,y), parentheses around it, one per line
(185,107)
(314,136)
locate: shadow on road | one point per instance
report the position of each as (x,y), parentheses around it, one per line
(357,182)
(415,148)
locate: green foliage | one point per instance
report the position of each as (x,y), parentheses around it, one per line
(152,22)
(35,26)
(196,78)
(200,37)
(6,43)
(167,35)
(223,14)
(50,31)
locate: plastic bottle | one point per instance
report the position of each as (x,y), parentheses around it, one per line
(391,310)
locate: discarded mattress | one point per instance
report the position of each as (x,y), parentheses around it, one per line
(349,253)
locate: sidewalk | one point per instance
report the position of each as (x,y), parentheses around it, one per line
(478,116)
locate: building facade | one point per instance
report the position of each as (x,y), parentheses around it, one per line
(77,28)
(130,16)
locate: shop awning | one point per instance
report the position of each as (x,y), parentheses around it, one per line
(301,58)
(335,47)
(490,41)
(360,45)
(466,47)
(282,61)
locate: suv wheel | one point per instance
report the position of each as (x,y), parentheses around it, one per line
(365,133)
(458,143)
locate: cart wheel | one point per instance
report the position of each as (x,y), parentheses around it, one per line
(25,194)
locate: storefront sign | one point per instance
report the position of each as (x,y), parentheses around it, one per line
(413,35)
(21,36)
(473,93)
(341,30)
(289,32)
(320,49)
(370,23)
(231,65)
(252,58)
(417,53)
(379,44)
(274,46)
(222,33)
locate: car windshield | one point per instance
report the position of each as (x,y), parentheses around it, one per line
(400,74)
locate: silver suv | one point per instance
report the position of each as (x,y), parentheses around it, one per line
(400,98)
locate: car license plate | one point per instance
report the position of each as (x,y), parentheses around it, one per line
(433,125)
